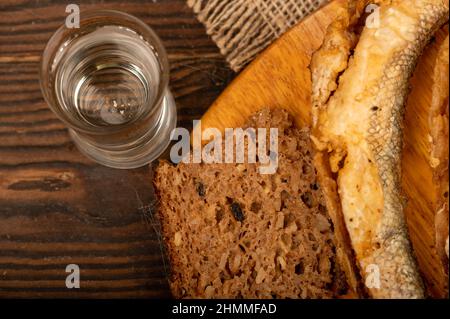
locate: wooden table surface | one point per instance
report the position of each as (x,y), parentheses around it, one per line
(56,206)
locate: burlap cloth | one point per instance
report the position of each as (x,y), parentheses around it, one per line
(243,28)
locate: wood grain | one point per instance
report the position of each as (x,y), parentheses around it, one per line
(418,182)
(280,78)
(57,207)
(277,78)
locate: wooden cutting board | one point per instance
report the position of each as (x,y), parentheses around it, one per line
(280,77)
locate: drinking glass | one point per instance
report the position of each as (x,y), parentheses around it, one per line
(108,82)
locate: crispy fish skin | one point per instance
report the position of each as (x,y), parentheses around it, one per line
(359,126)
(332,58)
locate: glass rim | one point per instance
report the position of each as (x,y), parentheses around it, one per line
(101,17)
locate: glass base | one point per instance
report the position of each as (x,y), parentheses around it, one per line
(138,156)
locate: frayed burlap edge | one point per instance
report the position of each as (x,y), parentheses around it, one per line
(243,28)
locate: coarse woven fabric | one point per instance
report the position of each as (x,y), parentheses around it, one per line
(243,28)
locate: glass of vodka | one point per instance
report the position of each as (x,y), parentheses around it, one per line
(108,82)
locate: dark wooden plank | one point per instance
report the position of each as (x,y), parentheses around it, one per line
(56,206)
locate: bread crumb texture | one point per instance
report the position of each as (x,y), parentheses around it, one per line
(231,232)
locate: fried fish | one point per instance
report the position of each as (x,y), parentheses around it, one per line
(360,85)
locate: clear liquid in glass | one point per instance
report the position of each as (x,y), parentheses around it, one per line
(102,81)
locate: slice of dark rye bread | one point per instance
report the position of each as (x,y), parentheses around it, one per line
(231,232)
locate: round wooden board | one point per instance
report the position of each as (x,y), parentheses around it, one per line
(280,77)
